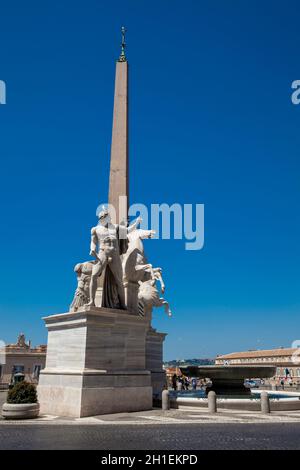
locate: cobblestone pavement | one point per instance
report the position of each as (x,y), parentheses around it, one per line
(175,437)
(183,429)
(157,416)
(188,428)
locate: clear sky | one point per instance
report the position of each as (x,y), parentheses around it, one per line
(211,121)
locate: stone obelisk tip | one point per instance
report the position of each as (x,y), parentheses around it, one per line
(122,57)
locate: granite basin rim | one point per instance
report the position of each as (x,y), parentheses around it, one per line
(220,372)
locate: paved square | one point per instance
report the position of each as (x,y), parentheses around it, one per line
(182,429)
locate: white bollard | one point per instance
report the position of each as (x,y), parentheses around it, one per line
(265,403)
(165,400)
(212,402)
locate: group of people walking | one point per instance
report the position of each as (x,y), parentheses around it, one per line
(184,383)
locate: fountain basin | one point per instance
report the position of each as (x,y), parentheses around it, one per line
(229,380)
(279,401)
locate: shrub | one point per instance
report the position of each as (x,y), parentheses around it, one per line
(22,392)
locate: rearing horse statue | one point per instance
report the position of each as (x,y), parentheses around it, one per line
(134,261)
(137,271)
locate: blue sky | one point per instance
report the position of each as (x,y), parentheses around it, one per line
(211,121)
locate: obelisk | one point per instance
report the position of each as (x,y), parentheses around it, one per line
(118,177)
(103,360)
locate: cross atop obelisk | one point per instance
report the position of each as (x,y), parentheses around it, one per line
(122,57)
(118,177)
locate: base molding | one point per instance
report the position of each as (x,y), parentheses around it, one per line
(92,401)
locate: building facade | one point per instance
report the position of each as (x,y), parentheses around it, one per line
(22,358)
(286,360)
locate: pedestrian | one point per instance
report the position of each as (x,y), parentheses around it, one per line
(282,384)
(180,384)
(186,383)
(194,383)
(182,381)
(174,382)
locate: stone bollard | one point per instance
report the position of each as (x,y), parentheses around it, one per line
(165,400)
(265,403)
(212,402)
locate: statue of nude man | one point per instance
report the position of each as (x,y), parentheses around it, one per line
(111,245)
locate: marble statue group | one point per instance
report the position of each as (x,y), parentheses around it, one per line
(103,355)
(119,276)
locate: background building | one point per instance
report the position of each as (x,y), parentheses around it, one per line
(21,357)
(286,360)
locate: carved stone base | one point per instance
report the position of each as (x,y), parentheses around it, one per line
(96,364)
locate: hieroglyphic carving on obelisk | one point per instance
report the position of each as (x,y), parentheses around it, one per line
(118,177)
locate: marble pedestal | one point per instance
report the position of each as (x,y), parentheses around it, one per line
(154,361)
(96,364)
